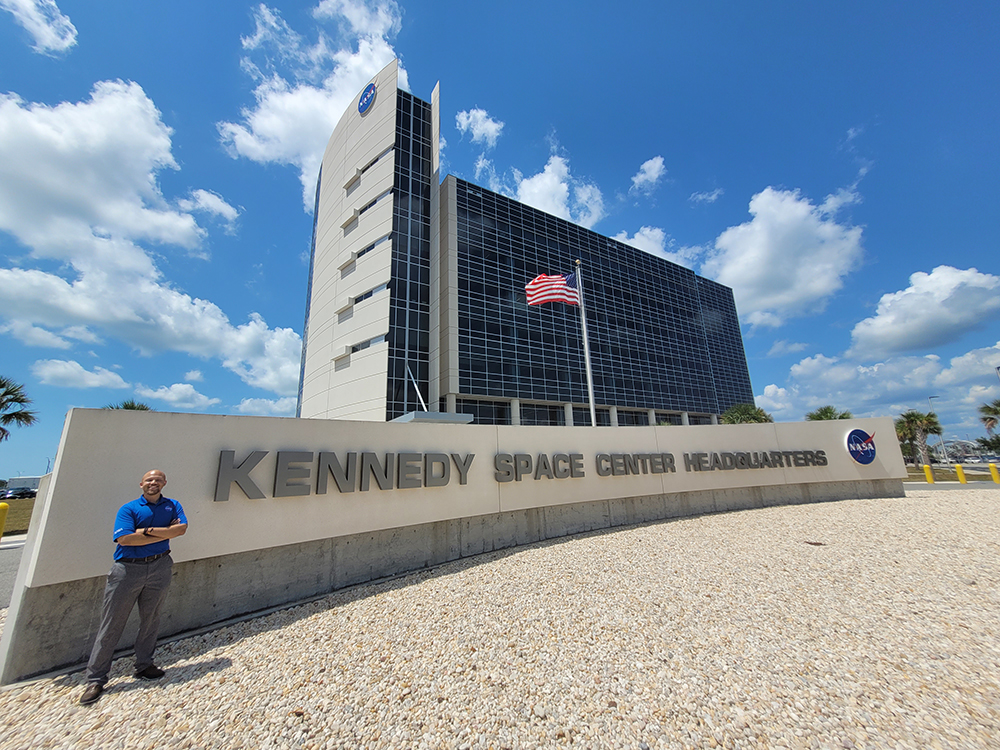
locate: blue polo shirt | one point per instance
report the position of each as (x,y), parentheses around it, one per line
(141,514)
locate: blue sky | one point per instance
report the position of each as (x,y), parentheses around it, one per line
(836,164)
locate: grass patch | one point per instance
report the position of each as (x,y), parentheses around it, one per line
(19,515)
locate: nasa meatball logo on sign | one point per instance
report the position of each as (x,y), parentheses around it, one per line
(861,446)
(367,98)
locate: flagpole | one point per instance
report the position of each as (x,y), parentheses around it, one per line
(586,344)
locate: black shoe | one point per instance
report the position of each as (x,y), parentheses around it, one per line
(91,693)
(152,672)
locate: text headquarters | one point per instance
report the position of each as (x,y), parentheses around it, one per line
(294,473)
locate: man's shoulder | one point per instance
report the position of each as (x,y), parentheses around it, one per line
(130,505)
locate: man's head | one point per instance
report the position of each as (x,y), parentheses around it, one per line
(152,484)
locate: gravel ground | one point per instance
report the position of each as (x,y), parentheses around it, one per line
(853,624)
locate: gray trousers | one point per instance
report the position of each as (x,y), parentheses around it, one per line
(128,583)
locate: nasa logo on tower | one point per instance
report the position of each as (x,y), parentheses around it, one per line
(861,446)
(367,98)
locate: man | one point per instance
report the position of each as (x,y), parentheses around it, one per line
(140,573)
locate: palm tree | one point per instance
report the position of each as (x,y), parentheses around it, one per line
(12,396)
(920,425)
(745,414)
(130,404)
(991,444)
(828,412)
(907,439)
(989,415)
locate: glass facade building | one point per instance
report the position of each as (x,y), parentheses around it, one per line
(661,337)
(416,297)
(409,301)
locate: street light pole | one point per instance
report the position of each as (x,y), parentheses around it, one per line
(944,451)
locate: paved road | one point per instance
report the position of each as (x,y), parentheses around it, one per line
(10,559)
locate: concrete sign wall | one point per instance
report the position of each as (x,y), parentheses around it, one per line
(280,509)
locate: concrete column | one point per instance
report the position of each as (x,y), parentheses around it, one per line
(568,411)
(449,401)
(515,411)
(715,419)
(684,418)
(614,415)
(652,417)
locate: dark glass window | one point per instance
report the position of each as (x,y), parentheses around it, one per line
(660,336)
(410,291)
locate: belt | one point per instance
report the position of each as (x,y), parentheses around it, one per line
(144,559)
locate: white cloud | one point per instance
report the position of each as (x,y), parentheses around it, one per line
(152,317)
(785,347)
(78,186)
(774,400)
(193,376)
(297,109)
(707,197)
(379,19)
(789,259)
(934,309)
(210,203)
(550,191)
(271,32)
(34,336)
(486,172)
(655,241)
(52,31)
(178,395)
(972,367)
(83,175)
(484,128)
(648,176)
(70,374)
(891,386)
(265,407)
(82,333)
(652,240)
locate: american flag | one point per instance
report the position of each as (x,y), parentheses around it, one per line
(542,289)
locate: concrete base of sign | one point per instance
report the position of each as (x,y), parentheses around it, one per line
(62,618)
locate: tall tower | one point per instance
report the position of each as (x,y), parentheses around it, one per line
(416,298)
(363,357)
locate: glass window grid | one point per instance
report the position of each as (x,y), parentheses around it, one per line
(581,417)
(661,337)
(484,411)
(649,344)
(409,305)
(542,414)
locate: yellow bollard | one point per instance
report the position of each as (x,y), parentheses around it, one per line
(3,516)
(929,474)
(993,471)
(961,473)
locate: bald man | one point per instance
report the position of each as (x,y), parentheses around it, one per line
(140,573)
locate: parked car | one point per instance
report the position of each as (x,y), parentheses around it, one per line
(21,493)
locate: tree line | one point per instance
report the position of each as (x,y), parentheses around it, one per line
(912,427)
